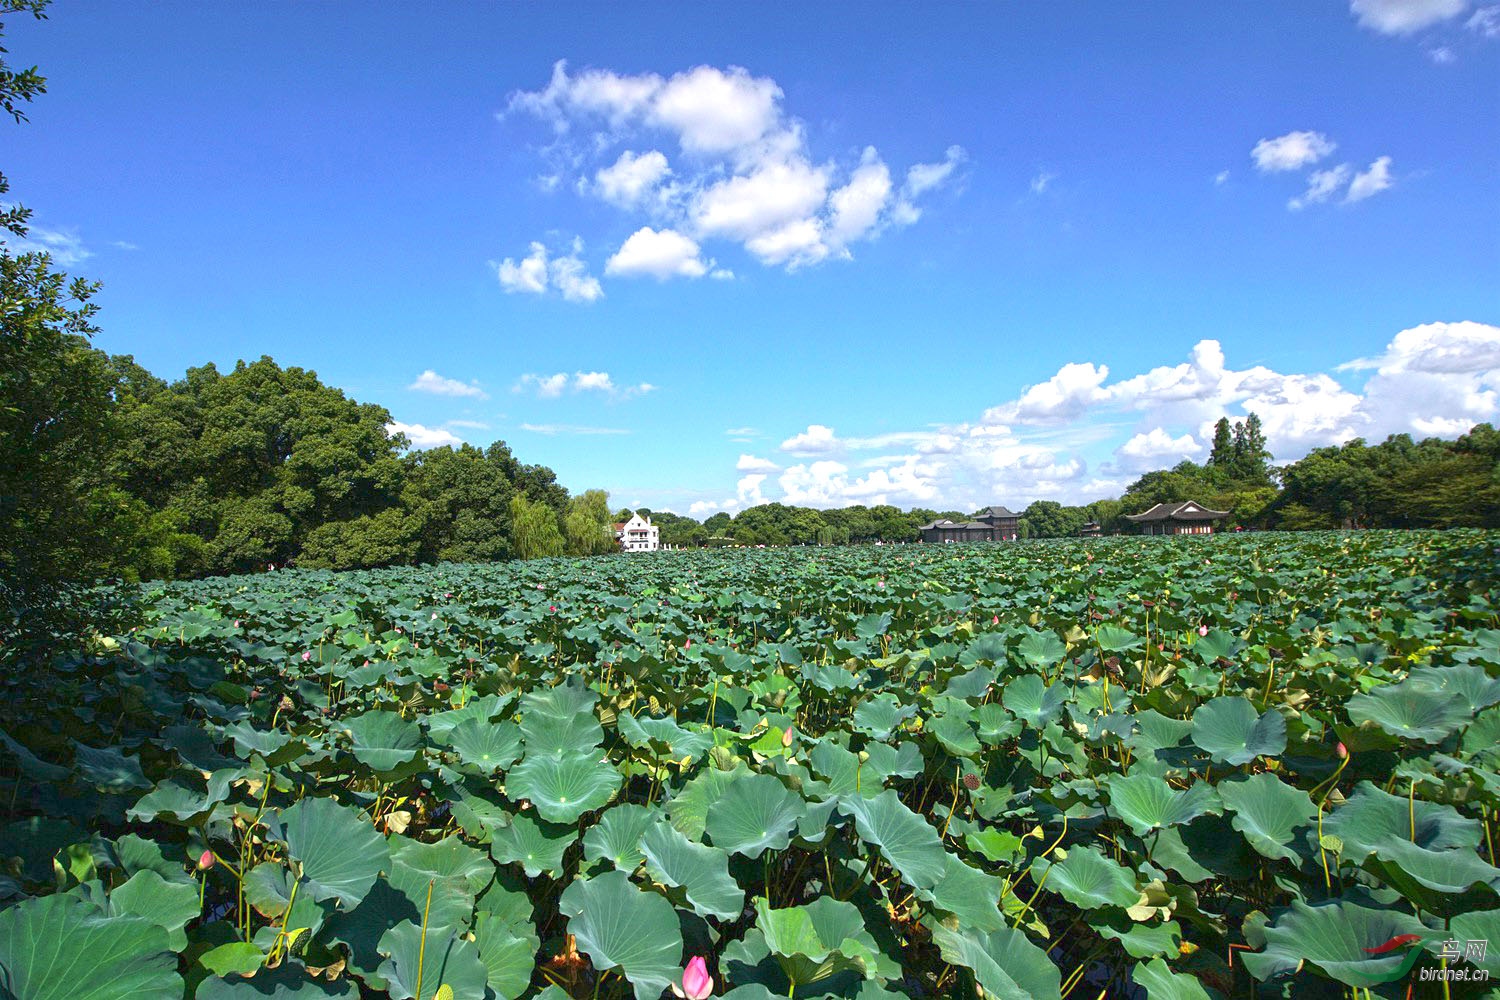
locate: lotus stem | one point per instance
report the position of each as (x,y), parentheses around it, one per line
(422,945)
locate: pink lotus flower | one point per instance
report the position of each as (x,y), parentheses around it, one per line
(1202,630)
(995,620)
(697,984)
(236,623)
(687,644)
(1342,751)
(540,587)
(205,861)
(552,607)
(306,655)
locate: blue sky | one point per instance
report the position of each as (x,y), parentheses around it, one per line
(710,256)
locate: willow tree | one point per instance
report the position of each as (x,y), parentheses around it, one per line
(588,524)
(533,527)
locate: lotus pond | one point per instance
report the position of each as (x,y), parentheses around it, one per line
(1260,765)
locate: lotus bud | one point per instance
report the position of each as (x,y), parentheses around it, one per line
(306,655)
(1202,631)
(786,737)
(205,860)
(687,644)
(697,984)
(1342,751)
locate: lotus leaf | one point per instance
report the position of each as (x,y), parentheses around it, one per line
(1232,732)
(619,926)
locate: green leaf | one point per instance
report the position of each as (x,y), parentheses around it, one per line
(288,981)
(536,845)
(108,769)
(446,960)
(619,926)
(168,905)
(1004,962)
(1089,880)
(1161,983)
(664,738)
(617,836)
(61,948)
(1270,813)
(339,852)
(818,940)
(753,814)
(563,786)
(383,741)
(879,716)
(701,872)
(970,895)
(1029,699)
(1146,802)
(906,840)
(1412,711)
(1231,732)
(1336,938)
(1041,649)
(239,957)
(485,746)
(508,953)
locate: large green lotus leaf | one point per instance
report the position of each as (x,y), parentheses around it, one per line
(563,786)
(446,899)
(362,928)
(753,814)
(339,852)
(1029,699)
(560,718)
(1161,983)
(841,770)
(1004,962)
(1147,802)
(446,960)
(289,981)
(701,872)
(619,926)
(976,683)
(1231,732)
(135,854)
(995,725)
(536,845)
(1216,645)
(185,800)
(482,710)
(1371,817)
(508,953)
(1469,680)
(617,836)
(1269,812)
(1154,731)
(906,840)
(970,895)
(268,888)
(449,857)
(1114,639)
(61,948)
(1089,880)
(878,717)
(955,734)
(108,769)
(1141,940)
(36,841)
(485,745)
(901,761)
(1412,712)
(168,905)
(664,737)
(688,809)
(1041,649)
(1336,938)
(1481,925)
(31,765)
(1447,872)
(238,957)
(815,941)
(1201,850)
(383,741)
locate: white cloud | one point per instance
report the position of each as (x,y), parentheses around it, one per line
(533,273)
(744,175)
(1221,177)
(748,491)
(554,429)
(752,463)
(553,386)
(594,382)
(1291,151)
(547,386)
(698,507)
(1040,181)
(816,440)
(1485,22)
(473,425)
(430,381)
(742,432)
(1372,181)
(660,255)
(1155,448)
(1402,17)
(1321,185)
(1442,55)
(66,248)
(631,178)
(1074,388)
(421,437)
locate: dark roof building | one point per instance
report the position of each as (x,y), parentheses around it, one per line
(1090,529)
(1004,522)
(993,524)
(1183,518)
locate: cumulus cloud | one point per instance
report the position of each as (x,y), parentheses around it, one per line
(546,386)
(421,437)
(1321,186)
(603,383)
(431,382)
(1040,182)
(816,440)
(1292,151)
(1372,181)
(555,429)
(1485,22)
(752,463)
(1081,435)
(535,273)
(743,172)
(659,255)
(1402,17)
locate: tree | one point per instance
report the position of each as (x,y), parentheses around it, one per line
(534,533)
(588,524)
(1050,519)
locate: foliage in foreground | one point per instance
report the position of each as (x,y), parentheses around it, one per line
(1197,766)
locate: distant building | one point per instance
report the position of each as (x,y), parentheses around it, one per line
(993,524)
(638,535)
(1005,523)
(1184,518)
(1090,529)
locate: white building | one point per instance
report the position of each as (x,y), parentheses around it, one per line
(638,535)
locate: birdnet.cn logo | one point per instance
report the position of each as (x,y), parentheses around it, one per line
(1471,951)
